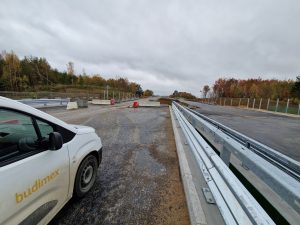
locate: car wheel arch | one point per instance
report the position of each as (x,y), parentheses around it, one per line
(94,153)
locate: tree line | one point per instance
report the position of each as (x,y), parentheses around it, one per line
(250,88)
(179,94)
(35,74)
(254,88)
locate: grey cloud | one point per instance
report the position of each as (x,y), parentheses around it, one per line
(164,45)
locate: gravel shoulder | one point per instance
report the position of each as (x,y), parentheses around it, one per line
(139,180)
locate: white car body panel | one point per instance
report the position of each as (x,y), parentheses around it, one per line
(78,151)
(19,177)
(59,165)
(83,129)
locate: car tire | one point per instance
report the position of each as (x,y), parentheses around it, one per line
(86,176)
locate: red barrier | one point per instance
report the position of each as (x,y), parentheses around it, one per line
(135,104)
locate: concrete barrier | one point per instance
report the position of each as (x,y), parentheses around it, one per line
(100,102)
(196,212)
(72,105)
(82,103)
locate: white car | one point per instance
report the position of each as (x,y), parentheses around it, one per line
(43,163)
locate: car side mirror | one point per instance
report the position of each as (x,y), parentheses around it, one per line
(55,141)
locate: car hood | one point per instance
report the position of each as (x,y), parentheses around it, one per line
(83,129)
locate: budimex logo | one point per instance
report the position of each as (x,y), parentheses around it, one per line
(38,184)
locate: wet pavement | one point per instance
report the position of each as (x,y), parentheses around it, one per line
(138,181)
(280,132)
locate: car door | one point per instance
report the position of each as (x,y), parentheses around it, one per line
(34,181)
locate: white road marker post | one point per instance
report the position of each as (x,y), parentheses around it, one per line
(107,91)
(268,104)
(287,106)
(277,105)
(260,103)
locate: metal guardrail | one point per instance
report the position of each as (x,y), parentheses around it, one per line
(286,164)
(40,103)
(236,204)
(277,171)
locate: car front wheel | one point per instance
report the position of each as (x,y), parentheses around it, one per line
(86,176)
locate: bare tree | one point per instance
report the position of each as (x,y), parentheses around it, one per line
(12,69)
(206,89)
(70,70)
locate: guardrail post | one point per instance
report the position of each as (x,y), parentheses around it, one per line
(225,155)
(103,94)
(248,103)
(299,109)
(240,102)
(287,105)
(268,104)
(277,105)
(231,102)
(260,103)
(253,104)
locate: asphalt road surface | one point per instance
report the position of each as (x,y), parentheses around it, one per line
(279,132)
(138,181)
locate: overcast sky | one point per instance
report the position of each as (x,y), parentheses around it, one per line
(163,45)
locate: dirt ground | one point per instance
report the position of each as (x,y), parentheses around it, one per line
(139,180)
